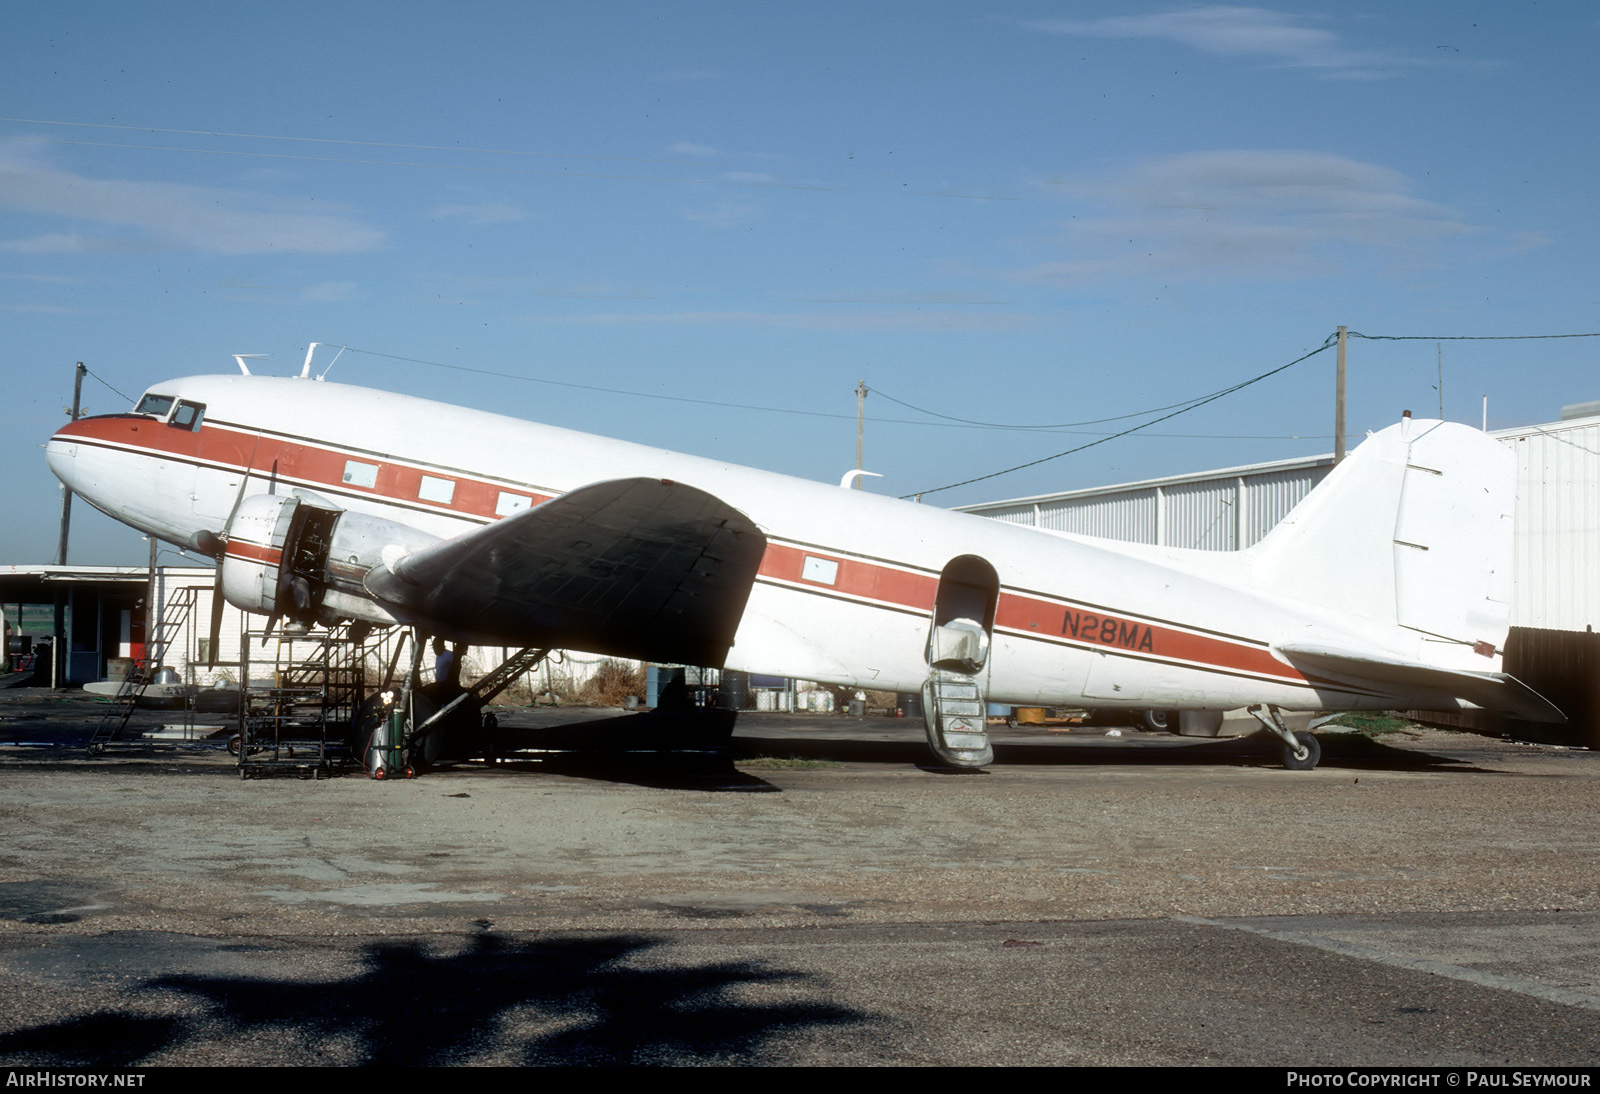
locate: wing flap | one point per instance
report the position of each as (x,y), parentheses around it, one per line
(1490,690)
(641,568)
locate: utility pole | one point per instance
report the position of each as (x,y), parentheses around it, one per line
(1338,402)
(58,648)
(66,493)
(861,409)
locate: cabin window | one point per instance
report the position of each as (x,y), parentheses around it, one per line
(511,503)
(436,489)
(188,416)
(824,571)
(154,405)
(357,473)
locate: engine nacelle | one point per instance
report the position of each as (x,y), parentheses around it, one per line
(292,557)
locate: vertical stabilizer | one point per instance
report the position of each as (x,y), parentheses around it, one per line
(1413,530)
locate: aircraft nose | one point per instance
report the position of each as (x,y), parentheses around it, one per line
(61,453)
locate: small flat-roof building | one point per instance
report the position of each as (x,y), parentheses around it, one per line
(104,619)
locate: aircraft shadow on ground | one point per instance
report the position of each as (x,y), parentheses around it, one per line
(593,750)
(660,750)
(569,1001)
(1343,751)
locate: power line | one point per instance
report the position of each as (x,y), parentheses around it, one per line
(1057,427)
(1131,429)
(593,387)
(803,413)
(91,372)
(1462,337)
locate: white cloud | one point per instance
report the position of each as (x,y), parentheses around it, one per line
(329,292)
(1250,214)
(40,309)
(911,318)
(57,279)
(1292,41)
(71,243)
(725,213)
(166,214)
(483,212)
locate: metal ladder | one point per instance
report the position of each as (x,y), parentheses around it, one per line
(954,712)
(299,723)
(486,687)
(141,674)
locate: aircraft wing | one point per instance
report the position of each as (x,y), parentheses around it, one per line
(1490,690)
(641,568)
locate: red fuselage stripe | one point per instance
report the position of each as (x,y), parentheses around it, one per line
(859,579)
(267,455)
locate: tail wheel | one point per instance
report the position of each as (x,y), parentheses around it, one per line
(1313,753)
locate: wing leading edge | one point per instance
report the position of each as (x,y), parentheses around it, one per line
(642,568)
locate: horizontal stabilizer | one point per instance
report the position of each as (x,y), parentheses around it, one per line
(1490,690)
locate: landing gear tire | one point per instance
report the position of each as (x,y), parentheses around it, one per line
(1159,721)
(1309,760)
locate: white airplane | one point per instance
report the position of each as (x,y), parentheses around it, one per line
(1387,587)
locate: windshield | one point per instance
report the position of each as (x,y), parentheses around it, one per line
(157,405)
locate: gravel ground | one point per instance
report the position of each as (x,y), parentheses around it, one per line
(159,859)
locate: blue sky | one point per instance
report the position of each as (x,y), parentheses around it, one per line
(1029,214)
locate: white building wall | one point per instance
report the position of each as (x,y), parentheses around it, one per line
(1557,574)
(1130,515)
(1269,497)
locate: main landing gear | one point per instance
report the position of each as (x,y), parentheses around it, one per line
(1301,751)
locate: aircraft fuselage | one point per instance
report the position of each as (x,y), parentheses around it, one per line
(846,584)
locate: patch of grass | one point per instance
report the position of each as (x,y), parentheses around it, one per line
(612,683)
(1373,723)
(785,763)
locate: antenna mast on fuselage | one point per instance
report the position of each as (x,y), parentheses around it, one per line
(305,370)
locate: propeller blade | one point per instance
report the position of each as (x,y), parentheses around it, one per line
(217,603)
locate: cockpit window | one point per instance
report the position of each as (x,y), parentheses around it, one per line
(188,415)
(156,405)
